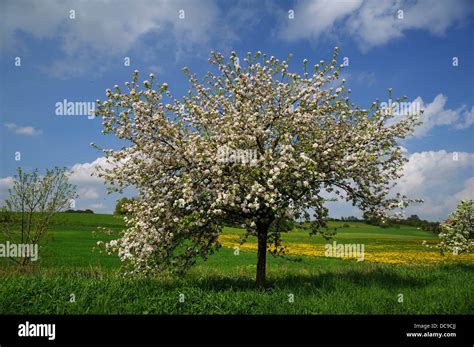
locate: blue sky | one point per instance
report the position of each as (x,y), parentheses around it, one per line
(78,58)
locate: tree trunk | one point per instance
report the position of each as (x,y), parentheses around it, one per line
(262,234)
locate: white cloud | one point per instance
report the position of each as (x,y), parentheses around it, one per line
(83,173)
(440,178)
(91,189)
(88,193)
(432,168)
(6,183)
(434,176)
(373,22)
(92,192)
(312,18)
(103,32)
(23,130)
(107,27)
(437,114)
(468,119)
(466,193)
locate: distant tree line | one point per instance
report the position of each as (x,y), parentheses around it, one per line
(413,221)
(79,211)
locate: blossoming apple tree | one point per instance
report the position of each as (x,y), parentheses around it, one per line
(310,141)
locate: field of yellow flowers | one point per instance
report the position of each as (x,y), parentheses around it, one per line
(391,250)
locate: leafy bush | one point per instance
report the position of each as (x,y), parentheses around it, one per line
(122,206)
(457,233)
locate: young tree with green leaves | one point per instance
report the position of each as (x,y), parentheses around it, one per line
(33,201)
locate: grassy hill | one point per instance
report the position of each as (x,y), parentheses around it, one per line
(395,263)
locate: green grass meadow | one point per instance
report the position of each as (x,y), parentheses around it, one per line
(71,264)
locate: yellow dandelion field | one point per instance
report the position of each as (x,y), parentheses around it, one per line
(392,251)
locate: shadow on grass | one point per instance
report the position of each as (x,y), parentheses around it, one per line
(379,277)
(326,279)
(329,280)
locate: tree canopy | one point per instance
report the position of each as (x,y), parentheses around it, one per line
(252,141)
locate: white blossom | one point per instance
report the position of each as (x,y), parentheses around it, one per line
(308,138)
